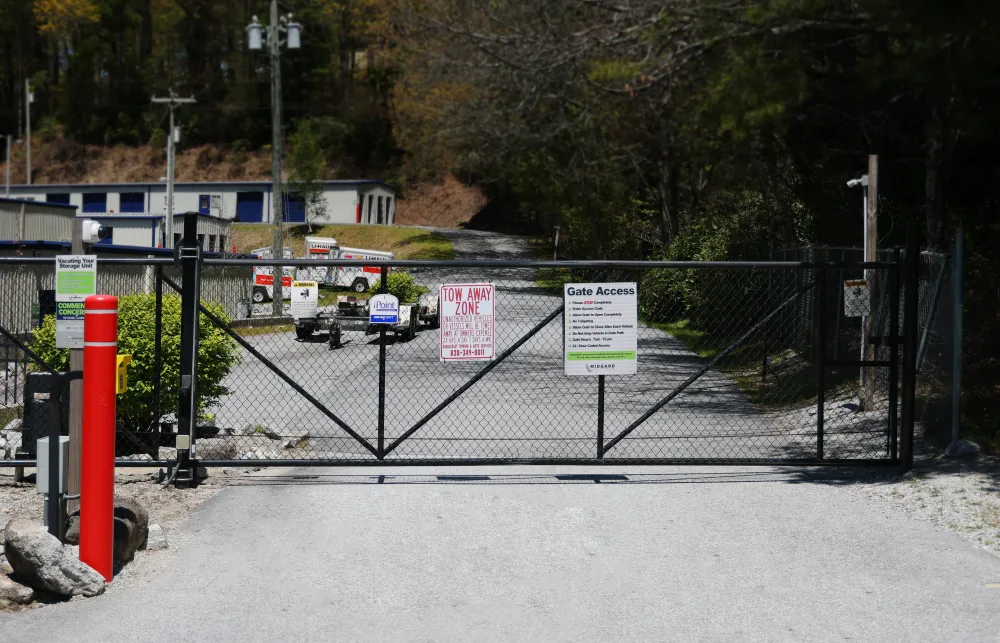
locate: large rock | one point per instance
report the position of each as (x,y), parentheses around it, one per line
(131,528)
(41,561)
(13,592)
(215,449)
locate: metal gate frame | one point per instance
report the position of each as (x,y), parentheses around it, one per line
(899,438)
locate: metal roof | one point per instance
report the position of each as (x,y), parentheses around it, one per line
(42,187)
(45,203)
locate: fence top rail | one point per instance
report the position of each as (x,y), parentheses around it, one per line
(107,261)
(519,263)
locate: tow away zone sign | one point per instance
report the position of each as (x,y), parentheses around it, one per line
(467,322)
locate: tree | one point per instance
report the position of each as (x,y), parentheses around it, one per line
(308,165)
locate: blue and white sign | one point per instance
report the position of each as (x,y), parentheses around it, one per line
(383,309)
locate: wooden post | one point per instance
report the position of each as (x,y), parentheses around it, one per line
(75,397)
(867,397)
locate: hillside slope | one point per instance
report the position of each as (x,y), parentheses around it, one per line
(444,205)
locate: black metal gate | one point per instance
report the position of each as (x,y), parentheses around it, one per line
(741,363)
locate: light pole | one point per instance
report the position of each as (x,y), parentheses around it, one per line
(173,137)
(29,98)
(255,34)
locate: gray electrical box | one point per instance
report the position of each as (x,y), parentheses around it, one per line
(42,475)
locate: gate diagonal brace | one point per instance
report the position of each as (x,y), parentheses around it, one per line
(478,376)
(277,371)
(707,367)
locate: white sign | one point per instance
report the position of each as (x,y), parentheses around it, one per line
(383,309)
(466,316)
(600,326)
(857,298)
(305,299)
(76,279)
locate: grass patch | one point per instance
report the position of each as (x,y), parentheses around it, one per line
(789,379)
(248,331)
(405,243)
(553,279)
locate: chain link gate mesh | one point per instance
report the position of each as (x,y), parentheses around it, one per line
(730,358)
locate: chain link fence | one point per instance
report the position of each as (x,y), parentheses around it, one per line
(935,325)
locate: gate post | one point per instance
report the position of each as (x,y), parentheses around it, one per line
(911,283)
(383,288)
(820,359)
(188,254)
(600,417)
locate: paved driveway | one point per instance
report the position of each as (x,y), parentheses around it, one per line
(664,554)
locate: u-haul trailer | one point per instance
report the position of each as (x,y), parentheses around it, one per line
(263,277)
(357,278)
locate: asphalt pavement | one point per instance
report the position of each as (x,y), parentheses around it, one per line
(518,554)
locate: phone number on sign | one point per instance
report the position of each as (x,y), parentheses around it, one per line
(467,352)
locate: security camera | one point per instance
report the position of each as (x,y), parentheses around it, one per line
(853,183)
(94,232)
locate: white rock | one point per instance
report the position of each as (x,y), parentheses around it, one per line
(41,561)
(156,540)
(14,592)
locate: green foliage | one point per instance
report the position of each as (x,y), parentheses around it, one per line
(308,168)
(401,285)
(737,230)
(217,354)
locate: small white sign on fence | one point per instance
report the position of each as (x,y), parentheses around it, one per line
(383,309)
(857,298)
(305,299)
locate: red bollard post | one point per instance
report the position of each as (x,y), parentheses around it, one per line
(97,471)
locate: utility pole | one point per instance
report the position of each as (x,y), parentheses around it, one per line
(868,330)
(173,102)
(7,172)
(29,98)
(273,45)
(277,25)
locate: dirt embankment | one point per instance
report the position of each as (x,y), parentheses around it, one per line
(446,205)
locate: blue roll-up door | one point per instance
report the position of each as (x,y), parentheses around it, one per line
(132,202)
(61,198)
(295,208)
(250,207)
(95,202)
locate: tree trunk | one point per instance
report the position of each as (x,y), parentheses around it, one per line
(667,189)
(934,134)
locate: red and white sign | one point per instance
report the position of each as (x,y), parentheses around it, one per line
(467,330)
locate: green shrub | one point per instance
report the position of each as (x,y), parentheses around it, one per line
(401,285)
(217,354)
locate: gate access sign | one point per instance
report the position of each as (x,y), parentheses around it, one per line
(600,329)
(466,313)
(76,279)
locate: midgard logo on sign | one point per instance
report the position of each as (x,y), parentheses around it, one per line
(383,309)
(76,279)
(600,326)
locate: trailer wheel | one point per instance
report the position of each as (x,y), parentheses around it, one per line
(303,332)
(259,295)
(359,285)
(411,332)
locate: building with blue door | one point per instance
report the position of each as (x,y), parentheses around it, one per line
(369,202)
